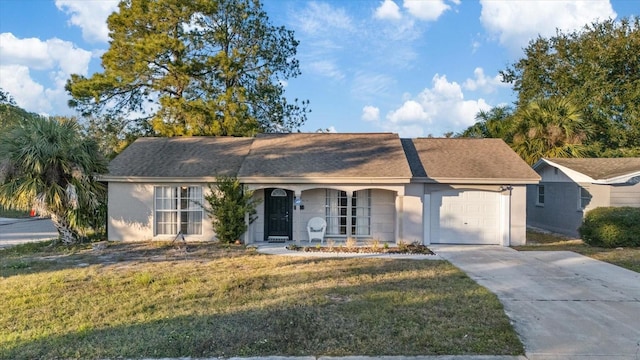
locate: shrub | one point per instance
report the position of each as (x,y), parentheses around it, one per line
(229,202)
(611,227)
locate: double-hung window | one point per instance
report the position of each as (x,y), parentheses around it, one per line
(583,198)
(348,216)
(178,210)
(540,195)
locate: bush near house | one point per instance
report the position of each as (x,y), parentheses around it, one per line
(611,227)
(228,203)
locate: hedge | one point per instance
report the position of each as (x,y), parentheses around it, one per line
(611,227)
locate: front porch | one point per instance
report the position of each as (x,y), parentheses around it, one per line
(363,213)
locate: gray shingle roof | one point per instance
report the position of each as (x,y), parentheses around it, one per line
(184,157)
(600,168)
(318,155)
(334,155)
(462,158)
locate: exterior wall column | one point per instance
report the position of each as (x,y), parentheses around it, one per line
(399,233)
(426,219)
(505,216)
(297,217)
(247,236)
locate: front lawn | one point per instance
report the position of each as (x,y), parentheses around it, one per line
(154,300)
(628,258)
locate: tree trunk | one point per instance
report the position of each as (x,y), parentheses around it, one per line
(65,233)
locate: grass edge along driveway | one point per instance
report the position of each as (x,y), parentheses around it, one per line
(628,258)
(153,300)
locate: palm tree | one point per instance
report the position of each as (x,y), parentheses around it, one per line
(46,164)
(494,123)
(549,128)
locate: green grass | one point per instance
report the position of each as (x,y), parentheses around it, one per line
(153,300)
(628,258)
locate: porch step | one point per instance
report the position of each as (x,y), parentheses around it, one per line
(277,239)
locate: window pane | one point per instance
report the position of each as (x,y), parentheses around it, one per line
(178,209)
(343,219)
(540,200)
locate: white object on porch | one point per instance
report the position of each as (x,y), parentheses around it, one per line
(316,228)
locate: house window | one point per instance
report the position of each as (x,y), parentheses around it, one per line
(178,209)
(540,195)
(346,216)
(583,198)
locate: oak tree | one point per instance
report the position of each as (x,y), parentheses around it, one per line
(597,69)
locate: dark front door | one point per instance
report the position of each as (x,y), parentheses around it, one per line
(278,206)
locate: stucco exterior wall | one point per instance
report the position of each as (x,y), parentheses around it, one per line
(518,213)
(625,195)
(560,210)
(412,227)
(130,215)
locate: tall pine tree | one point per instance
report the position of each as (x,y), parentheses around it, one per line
(194,67)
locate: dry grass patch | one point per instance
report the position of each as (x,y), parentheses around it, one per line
(628,258)
(153,300)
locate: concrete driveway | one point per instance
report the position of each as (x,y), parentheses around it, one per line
(20,231)
(563,305)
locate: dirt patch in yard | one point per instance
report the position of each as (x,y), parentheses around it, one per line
(116,254)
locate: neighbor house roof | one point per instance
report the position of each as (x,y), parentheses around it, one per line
(180,157)
(595,170)
(307,156)
(464,160)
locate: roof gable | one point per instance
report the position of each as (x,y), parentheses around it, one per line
(597,170)
(181,157)
(326,155)
(464,160)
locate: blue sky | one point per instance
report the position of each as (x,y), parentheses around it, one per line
(414,67)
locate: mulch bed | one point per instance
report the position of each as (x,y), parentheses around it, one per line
(400,249)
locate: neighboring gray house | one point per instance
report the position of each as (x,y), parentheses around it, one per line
(367,186)
(571,187)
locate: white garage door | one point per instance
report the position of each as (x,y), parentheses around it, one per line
(465,217)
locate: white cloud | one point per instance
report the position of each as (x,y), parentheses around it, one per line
(28,94)
(435,110)
(326,68)
(43,55)
(515,23)
(366,85)
(388,10)
(370,113)
(89,16)
(426,10)
(55,58)
(410,111)
(319,18)
(482,82)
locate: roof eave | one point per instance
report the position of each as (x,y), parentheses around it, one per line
(579,177)
(154,179)
(260,180)
(478,181)
(323,180)
(620,179)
